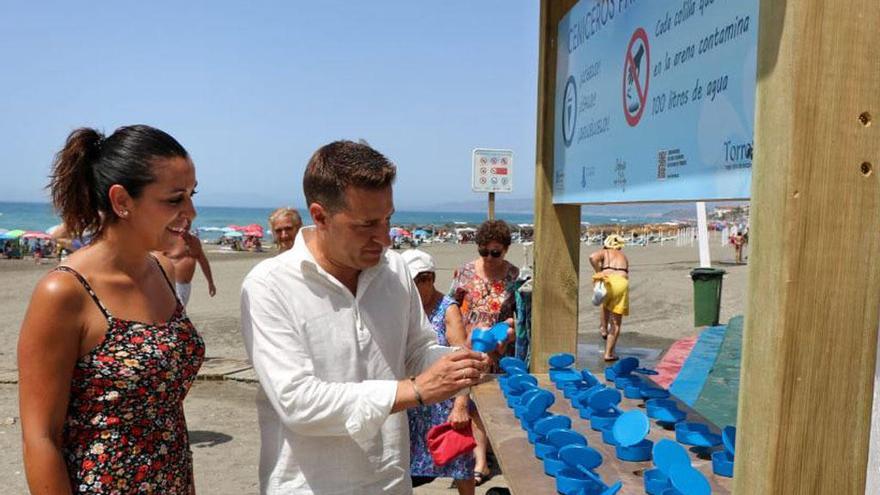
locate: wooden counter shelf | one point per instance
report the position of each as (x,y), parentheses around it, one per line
(525,473)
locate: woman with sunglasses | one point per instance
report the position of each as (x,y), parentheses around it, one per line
(484,290)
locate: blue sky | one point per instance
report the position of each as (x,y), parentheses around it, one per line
(253,88)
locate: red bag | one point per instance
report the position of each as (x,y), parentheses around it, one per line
(446,443)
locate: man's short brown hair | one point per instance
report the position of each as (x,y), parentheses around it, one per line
(493,230)
(341,164)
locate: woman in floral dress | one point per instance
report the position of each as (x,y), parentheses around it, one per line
(442,311)
(106,352)
(483,288)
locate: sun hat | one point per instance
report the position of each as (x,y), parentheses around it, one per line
(614,241)
(418,261)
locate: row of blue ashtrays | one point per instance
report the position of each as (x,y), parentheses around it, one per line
(626,431)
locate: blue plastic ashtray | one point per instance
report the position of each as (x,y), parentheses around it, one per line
(608,436)
(696,434)
(722,463)
(667,453)
(635,453)
(604,400)
(563,376)
(656,481)
(509,361)
(583,460)
(537,405)
(625,366)
(544,425)
(521,401)
(664,411)
(632,392)
(571,389)
(527,425)
(585,413)
(631,428)
(582,399)
(728,437)
(570,481)
(486,340)
(542,448)
(689,481)
(589,378)
(560,438)
(578,476)
(651,392)
(610,374)
(515,383)
(483,340)
(603,420)
(552,464)
(561,360)
(621,382)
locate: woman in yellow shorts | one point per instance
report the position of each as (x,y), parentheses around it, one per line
(612,267)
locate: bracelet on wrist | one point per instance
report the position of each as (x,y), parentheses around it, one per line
(412,380)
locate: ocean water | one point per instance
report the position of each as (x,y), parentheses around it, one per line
(40,216)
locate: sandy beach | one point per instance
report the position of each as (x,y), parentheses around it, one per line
(221,415)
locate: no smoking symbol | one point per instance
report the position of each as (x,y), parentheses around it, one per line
(636,75)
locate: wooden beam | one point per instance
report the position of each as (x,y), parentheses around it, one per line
(810,341)
(557,227)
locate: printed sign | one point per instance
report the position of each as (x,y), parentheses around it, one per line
(493,170)
(655,101)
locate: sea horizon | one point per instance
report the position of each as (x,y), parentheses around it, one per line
(40,216)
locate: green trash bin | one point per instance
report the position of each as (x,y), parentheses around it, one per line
(707,295)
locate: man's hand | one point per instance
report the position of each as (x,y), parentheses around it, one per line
(451,373)
(212,290)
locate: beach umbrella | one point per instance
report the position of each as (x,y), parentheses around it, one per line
(233,234)
(52,229)
(3,231)
(253,233)
(12,234)
(31,234)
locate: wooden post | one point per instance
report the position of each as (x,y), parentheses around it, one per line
(557,227)
(810,342)
(491,206)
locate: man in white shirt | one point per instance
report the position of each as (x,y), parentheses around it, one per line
(340,343)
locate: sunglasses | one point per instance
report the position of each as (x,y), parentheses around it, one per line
(496,253)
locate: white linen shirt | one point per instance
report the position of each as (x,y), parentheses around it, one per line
(328,363)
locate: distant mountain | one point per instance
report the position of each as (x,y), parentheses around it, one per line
(682,211)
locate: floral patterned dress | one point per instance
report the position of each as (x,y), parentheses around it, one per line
(422,419)
(125,431)
(481,299)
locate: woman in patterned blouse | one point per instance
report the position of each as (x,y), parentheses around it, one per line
(483,289)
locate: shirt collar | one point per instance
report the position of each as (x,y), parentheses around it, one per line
(301,256)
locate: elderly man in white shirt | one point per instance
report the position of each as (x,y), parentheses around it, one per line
(340,343)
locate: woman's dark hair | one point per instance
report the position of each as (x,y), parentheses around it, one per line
(89,164)
(493,230)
